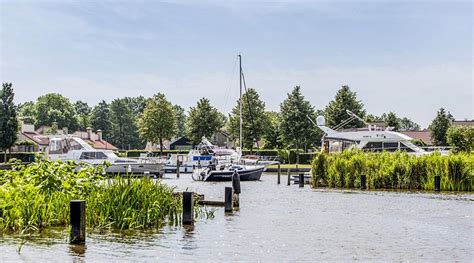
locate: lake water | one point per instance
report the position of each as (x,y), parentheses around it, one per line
(286,223)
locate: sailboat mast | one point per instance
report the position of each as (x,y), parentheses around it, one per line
(241,102)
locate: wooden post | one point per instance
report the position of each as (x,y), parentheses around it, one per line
(289,175)
(188,208)
(78,221)
(236,187)
(363,182)
(236,182)
(228,200)
(301,180)
(437,183)
(279,173)
(177,166)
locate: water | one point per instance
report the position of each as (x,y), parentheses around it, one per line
(286,223)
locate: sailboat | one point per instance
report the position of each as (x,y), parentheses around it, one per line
(224,172)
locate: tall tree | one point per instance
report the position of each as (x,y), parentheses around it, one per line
(345,100)
(26,112)
(439,126)
(124,132)
(83,112)
(158,121)
(204,120)
(253,119)
(54,107)
(8,119)
(373,118)
(181,120)
(136,104)
(408,125)
(272,137)
(297,130)
(393,121)
(100,119)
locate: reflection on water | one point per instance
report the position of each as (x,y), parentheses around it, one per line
(284,223)
(77,250)
(188,237)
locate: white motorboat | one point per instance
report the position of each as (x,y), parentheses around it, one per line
(370,139)
(204,155)
(75,149)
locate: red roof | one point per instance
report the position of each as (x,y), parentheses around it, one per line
(102,145)
(39,139)
(424,135)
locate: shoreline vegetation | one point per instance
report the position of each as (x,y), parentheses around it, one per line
(398,170)
(37,196)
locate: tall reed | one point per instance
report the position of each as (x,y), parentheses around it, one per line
(36,196)
(398,170)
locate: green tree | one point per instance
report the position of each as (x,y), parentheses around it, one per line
(26,112)
(297,130)
(272,138)
(83,112)
(8,119)
(373,118)
(392,120)
(158,121)
(123,132)
(253,119)
(100,119)
(54,107)
(439,126)
(345,100)
(408,125)
(181,120)
(136,104)
(461,138)
(204,121)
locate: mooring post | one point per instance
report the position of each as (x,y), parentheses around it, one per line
(177,166)
(236,187)
(363,182)
(301,180)
(188,208)
(289,175)
(279,173)
(78,221)
(437,183)
(228,200)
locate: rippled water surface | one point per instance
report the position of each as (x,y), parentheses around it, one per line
(286,223)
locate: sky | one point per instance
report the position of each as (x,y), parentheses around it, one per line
(409,57)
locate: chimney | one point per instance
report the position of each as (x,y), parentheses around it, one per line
(89,133)
(99,133)
(65,130)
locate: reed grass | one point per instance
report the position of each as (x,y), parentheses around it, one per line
(37,196)
(398,170)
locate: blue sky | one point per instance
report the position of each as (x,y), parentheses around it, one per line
(410,57)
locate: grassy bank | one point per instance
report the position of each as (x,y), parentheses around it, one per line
(37,196)
(394,170)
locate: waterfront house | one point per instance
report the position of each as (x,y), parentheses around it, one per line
(31,140)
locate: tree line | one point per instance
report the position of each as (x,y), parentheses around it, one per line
(130,122)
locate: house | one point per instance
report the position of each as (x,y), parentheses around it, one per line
(423,135)
(466,122)
(94,139)
(31,140)
(181,143)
